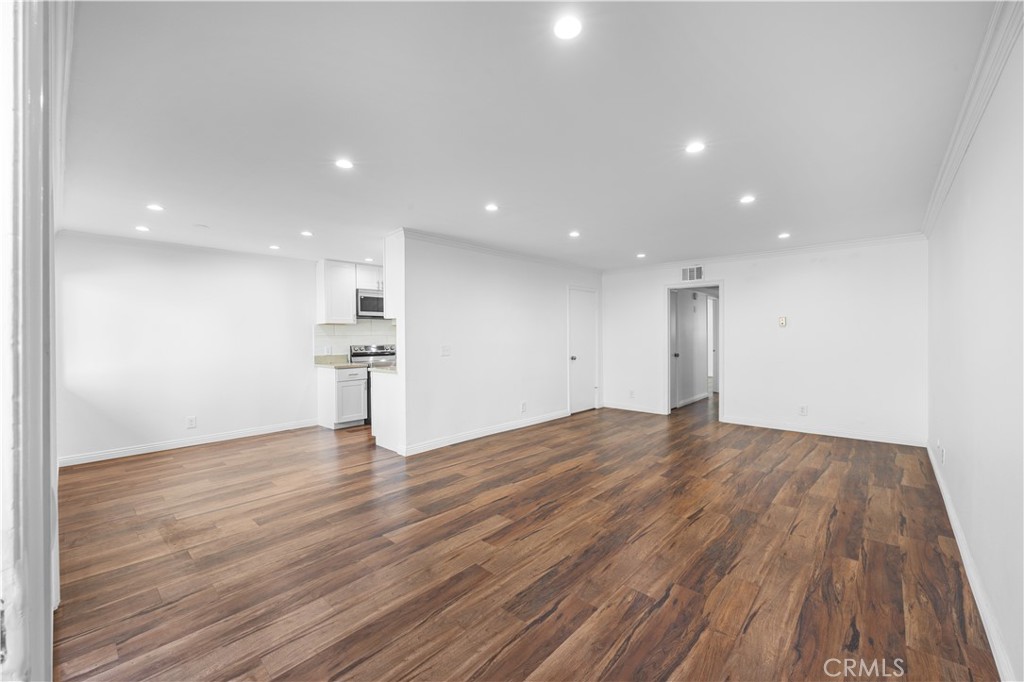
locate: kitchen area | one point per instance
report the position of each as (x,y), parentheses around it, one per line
(354,342)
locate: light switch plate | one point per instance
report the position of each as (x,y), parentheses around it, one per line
(782,321)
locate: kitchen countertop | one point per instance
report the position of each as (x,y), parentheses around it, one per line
(384,370)
(336,362)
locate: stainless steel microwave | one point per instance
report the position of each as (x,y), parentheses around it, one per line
(369,303)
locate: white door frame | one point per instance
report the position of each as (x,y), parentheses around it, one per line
(667,347)
(33,84)
(568,348)
(716,369)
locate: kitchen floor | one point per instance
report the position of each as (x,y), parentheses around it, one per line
(610,544)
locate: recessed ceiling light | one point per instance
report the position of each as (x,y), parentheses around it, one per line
(574,234)
(747,199)
(142,228)
(306,233)
(641,255)
(491,207)
(343,163)
(368,260)
(784,235)
(154,207)
(568,27)
(274,247)
(695,147)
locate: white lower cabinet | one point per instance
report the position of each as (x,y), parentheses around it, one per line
(341,396)
(351,401)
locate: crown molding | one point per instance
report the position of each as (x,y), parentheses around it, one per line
(1004,28)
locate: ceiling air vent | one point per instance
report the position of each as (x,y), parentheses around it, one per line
(693,273)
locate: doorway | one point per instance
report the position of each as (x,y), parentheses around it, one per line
(582,350)
(694,345)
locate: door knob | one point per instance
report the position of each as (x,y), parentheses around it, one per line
(675,355)
(572,357)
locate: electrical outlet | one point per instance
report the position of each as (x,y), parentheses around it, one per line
(190,422)
(522,407)
(446,351)
(632,394)
(803,410)
(942,451)
(327,350)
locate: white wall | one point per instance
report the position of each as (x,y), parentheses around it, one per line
(854,350)
(504,319)
(148,333)
(975,336)
(387,392)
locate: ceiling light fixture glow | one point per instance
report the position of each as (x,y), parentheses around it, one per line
(306,233)
(142,228)
(641,255)
(695,147)
(568,27)
(747,199)
(154,207)
(274,247)
(784,235)
(368,260)
(574,234)
(491,207)
(343,163)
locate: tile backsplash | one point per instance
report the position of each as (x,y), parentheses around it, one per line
(334,339)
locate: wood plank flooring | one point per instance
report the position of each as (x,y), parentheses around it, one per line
(608,545)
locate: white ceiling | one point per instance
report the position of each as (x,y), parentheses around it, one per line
(836,115)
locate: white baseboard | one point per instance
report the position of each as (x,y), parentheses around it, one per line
(689,401)
(995,638)
(628,407)
(479,433)
(878,437)
(82,458)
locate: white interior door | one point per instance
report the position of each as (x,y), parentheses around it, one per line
(690,351)
(582,350)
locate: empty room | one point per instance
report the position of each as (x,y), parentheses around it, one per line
(513,341)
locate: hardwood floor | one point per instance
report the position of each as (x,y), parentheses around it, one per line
(608,545)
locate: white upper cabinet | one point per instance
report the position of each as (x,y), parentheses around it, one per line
(335,292)
(369,276)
